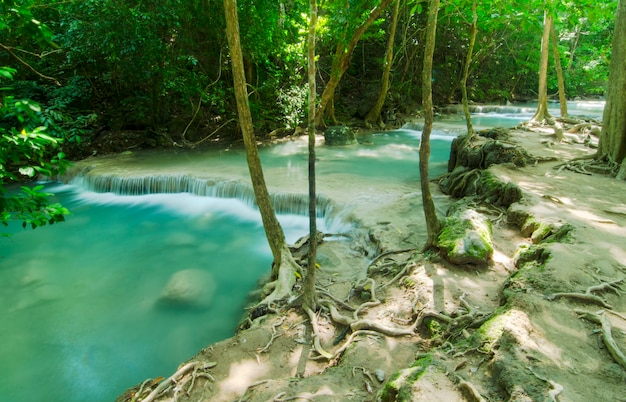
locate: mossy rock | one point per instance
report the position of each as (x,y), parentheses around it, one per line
(482,184)
(339,135)
(482,153)
(466,238)
(400,385)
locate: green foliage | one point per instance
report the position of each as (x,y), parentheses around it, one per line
(26,154)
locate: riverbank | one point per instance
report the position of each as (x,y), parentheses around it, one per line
(520,329)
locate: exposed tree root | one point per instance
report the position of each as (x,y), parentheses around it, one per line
(316,335)
(275,335)
(607,337)
(178,380)
(388,253)
(588,296)
(256,384)
(556,387)
(469,391)
(590,164)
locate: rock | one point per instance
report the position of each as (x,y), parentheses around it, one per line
(188,288)
(339,135)
(466,238)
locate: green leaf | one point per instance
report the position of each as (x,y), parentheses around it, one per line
(27,171)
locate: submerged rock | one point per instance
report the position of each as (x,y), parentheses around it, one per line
(339,135)
(188,288)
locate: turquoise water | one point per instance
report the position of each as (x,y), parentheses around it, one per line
(83,316)
(80,300)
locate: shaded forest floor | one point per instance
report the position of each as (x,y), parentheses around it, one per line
(527,327)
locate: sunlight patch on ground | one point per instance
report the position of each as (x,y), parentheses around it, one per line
(241,375)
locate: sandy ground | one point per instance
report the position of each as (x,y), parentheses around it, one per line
(510,331)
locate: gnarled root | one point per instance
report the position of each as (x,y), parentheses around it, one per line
(196,368)
(614,350)
(588,295)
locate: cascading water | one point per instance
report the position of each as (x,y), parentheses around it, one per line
(152,265)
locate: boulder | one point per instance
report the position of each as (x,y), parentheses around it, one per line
(339,135)
(188,288)
(466,238)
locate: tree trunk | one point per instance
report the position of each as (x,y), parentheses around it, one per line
(613,136)
(466,70)
(341,62)
(542,115)
(559,71)
(309,294)
(373,116)
(430,213)
(283,267)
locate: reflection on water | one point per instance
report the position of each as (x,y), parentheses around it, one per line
(111,297)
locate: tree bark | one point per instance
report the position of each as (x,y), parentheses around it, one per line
(559,72)
(341,62)
(432,221)
(309,294)
(542,115)
(466,70)
(275,236)
(613,136)
(373,116)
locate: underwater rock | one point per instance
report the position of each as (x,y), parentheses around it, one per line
(466,238)
(339,135)
(188,288)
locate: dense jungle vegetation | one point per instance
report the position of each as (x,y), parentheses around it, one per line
(92,76)
(108,65)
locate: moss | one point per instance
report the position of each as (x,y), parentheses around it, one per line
(542,231)
(466,238)
(399,386)
(561,235)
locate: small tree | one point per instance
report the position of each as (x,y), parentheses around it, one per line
(341,62)
(309,293)
(542,115)
(432,221)
(373,116)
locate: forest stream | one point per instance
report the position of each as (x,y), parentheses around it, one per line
(163,248)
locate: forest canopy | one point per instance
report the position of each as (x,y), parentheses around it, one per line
(161,67)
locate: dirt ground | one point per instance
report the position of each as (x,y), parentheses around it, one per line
(534,325)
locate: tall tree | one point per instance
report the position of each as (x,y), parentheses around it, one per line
(542,115)
(284,267)
(559,71)
(613,136)
(432,221)
(309,293)
(373,116)
(341,62)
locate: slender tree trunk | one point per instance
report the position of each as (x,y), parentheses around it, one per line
(309,293)
(542,115)
(341,62)
(283,266)
(373,116)
(432,221)
(613,136)
(559,71)
(572,49)
(466,70)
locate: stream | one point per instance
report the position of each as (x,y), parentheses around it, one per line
(162,249)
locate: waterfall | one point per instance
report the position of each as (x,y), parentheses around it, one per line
(283,203)
(501,109)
